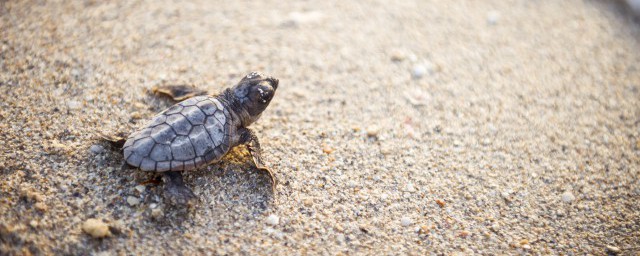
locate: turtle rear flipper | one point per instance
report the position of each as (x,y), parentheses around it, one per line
(114,139)
(178,92)
(176,192)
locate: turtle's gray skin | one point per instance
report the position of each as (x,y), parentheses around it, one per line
(200,131)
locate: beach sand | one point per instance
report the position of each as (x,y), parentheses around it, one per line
(419,127)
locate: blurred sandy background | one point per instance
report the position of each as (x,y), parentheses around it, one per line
(413,127)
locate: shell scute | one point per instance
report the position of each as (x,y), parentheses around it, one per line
(182,149)
(194,115)
(179,124)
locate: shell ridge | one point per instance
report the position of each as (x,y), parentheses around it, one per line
(185,117)
(213,141)
(195,153)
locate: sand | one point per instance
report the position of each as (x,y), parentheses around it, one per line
(419,127)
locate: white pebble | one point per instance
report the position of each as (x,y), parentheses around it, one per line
(568,197)
(299,18)
(72,104)
(493,17)
(273,220)
(132,200)
(140,188)
(96,149)
(406,221)
(410,188)
(384,196)
(269,231)
(418,71)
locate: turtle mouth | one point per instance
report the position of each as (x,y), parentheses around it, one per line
(274,82)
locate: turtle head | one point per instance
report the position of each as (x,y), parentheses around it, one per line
(254,93)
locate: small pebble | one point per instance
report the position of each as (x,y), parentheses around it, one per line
(299,93)
(133,201)
(140,188)
(72,104)
(613,249)
(139,105)
(406,221)
(568,197)
(40,206)
(418,97)
(136,115)
(326,149)
(273,220)
(493,17)
(269,230)
(410,188)
(299,18)
(96,228)
(157,212)
(440,202)
(308,202)
(372,131)
(418,71)
(398,56)
(96,149)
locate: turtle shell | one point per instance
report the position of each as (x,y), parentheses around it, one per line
(187,135)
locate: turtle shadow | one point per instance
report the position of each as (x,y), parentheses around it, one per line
(221,189)
(233,181)
(161,97)
(232,185)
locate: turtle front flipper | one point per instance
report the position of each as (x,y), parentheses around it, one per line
(175,191)
(248,137)
(257,160)
(178,92)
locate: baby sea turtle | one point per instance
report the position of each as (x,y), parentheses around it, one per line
(200,130)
